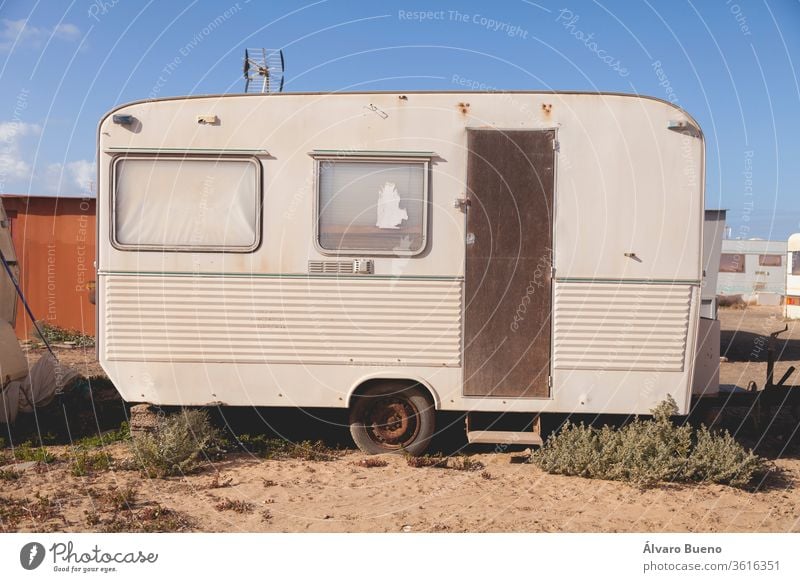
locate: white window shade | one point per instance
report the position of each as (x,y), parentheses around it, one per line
(191,204)
(372,206)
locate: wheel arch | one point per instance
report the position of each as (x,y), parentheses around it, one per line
(371,380)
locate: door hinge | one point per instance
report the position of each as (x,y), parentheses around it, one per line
(556,146)
(549,381)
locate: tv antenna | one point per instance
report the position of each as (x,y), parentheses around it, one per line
(263,70)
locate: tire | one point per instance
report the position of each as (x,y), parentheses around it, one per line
(393,417)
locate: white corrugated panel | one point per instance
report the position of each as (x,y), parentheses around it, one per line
(621,326)
(292,320)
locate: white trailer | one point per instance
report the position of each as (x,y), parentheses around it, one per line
(752,268)
(399,253)
(792,305)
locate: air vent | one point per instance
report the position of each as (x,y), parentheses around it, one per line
(330,267)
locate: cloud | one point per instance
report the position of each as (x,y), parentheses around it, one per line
(70,178)
(12,164)
(21,34)
(82,173)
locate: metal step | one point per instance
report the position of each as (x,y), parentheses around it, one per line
(506,437)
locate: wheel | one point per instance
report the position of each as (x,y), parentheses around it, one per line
(392,417)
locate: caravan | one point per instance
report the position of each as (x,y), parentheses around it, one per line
(401,253)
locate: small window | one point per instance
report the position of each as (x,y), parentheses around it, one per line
(374,206)
(729,263)
(770,260)
(795,262)
(191,204)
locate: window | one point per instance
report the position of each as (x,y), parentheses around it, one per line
(191,204)
(729,263)
(770,260)
(795,262)
(371,206)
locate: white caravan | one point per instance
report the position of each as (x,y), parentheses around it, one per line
(399,253)
(793,277)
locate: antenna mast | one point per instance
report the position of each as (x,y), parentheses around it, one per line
(263,70)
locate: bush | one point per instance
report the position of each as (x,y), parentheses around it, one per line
(28,452)
(281,449)
(54,334)
(85,462)
(120,434)
(176,445)
(646,452)
(718,458)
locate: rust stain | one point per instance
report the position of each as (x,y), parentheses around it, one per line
(547,108)
(464,107)
(403,97)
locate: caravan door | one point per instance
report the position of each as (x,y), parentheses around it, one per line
(509,241)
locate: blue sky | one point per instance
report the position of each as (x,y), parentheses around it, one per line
(732,64)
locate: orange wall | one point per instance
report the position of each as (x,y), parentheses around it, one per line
(55,243)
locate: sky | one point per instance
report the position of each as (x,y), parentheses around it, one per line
(732,64)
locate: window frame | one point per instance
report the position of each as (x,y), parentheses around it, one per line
(189,157)
(793,266)
(422,158)
(742,263)
(762,256)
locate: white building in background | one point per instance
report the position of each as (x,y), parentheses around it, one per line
(754,266)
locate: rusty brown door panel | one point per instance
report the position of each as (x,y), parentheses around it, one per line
(507,319)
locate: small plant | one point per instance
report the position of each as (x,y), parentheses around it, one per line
(217,483)
(486,475)
(459,463)
(54,334)
(9,475)
(120,434)
(86,462)
(92,518)
(119,498)
(646,452)
(269,483)
(176,445)
(236,505)
(281,449)
(371,462)
(147,520)
(463,463)
(436,460)
(28,452)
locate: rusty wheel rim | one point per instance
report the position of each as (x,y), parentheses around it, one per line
(392,423)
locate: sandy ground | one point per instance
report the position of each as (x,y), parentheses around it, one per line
(244,493)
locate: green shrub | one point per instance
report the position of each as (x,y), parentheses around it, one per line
(646,452)
(718,458)
(27,452)
(120,434)
(54,334)
(86,462)
(176,445)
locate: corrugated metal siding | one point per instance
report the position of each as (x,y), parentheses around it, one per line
(55,246)
(635,327)
(292,320)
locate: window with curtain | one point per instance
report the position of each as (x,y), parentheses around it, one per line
(371,206)
(187,203)
(730,263)
(770,260)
